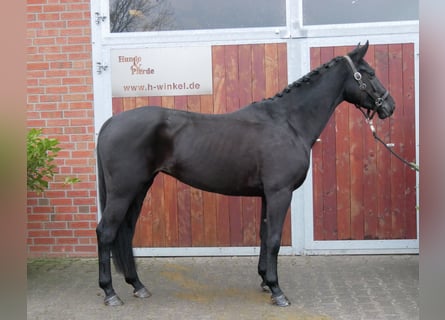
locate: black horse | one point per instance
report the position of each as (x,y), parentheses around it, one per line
(261,150)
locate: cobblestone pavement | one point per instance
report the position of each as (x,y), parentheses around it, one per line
(319,287)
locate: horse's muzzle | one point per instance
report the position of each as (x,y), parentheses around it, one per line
(386,110)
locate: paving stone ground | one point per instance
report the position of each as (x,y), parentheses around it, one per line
(223,288)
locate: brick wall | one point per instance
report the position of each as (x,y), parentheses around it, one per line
(61,222)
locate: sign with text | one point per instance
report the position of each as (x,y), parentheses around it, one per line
(175,71)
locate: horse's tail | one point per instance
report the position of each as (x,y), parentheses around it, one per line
(122,248)
(121,245)
(101,183)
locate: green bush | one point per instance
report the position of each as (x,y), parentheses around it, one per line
(41,153)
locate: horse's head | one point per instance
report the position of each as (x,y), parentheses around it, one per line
(363,88)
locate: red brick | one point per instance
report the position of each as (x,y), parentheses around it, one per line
(79,225)
(79,56)
(34,225)
(90,248)
(61,65)
(66,248)
(62,233)
(46,240)
(55,225)
(30,2)
(38,66)
(47,32)
(71,81)
(49,16)
(61,202)
(57,122)
(54,130)
(36,123)
(55,24)
(62,216)
(50,98)
(56,56)
(38,233)
(66,241)
(82,39)
(85,233)
(53,8)
(78,23)
(72,15)
(39,248)
(53,49)
(56,73)
(41,210)
(85,217)
(58,90)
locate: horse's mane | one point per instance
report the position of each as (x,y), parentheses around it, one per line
(309,77)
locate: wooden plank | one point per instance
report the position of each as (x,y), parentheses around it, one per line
(183,195)
(397,180)
(196,203)
(286,239)
(197,218)
(343,174)
(329,167)
(283,81)
(117,106)
(383,156)
(245,74)
(248,204)
(184,215)
(208,198)
(232,85)
(357,130)
(128,103)
(141,101)
(271,69)
(410,139)
(317,168)
(357,176)
(219,105)
(143,236)
(158,212)
(171,212)
(157,101)
(370,173)
(258,73)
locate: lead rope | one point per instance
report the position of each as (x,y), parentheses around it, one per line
(412,165)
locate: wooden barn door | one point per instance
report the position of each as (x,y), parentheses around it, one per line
(176,215)
(360,191)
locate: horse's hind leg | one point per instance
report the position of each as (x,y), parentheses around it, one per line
(112,217)
(130,273)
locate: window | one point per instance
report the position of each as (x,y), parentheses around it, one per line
(161,15)
(319,12)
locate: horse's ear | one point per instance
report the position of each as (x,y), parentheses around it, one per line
(359,52)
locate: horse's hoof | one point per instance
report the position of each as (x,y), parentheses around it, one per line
(142,293)
(113,301)
(264,287)
(280,301)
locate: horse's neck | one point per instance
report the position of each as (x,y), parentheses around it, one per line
(314,106)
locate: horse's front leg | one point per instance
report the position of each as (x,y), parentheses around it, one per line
(262,263)
(277,204)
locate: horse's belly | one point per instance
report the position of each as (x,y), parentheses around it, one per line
(223,178)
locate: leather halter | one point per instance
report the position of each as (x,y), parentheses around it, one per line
(378,101)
